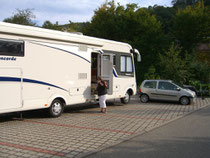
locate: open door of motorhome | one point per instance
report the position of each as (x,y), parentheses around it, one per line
(107,71)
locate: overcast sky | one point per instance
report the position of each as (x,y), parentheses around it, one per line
(65,10)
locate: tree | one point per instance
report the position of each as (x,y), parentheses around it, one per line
(174,67)
(191,26)
(105,22)
(132,25)
(23,17)
(73,27)
(184,3)
(151,74)
(48,25)
(200,70)
(164,15)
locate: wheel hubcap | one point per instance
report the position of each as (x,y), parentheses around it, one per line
(126,97)
(144,98)
(184,101)
(57,107)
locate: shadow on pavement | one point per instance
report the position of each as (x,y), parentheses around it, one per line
(43,113)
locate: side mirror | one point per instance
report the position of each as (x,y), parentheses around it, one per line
(178,89)
(138,55)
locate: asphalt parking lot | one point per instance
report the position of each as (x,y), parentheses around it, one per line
(82,130)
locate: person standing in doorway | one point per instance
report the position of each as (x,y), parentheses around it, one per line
(102,91)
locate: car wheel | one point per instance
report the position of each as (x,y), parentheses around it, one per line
(56,108)
(185,100)
(144,98)
(126,99)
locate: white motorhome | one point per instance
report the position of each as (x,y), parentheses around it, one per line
(42,68)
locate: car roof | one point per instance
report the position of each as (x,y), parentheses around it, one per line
(158,80)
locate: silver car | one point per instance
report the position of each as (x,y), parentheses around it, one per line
(165,90)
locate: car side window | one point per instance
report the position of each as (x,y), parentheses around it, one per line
(166,86)
(150,84)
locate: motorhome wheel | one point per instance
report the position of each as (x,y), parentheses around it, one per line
(56,108)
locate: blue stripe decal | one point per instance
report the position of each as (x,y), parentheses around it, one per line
(10,79)
(115,73)
(62,50)
(100,51)
(15,79)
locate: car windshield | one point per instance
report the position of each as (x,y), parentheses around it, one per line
(178,84)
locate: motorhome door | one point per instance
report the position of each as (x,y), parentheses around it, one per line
(10,88)
(106,70)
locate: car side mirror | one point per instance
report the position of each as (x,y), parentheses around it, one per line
(178,89)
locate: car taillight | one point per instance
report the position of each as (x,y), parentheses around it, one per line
(139,90)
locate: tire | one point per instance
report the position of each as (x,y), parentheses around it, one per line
(144,98)
(184,101)
(126,99)
(56,108)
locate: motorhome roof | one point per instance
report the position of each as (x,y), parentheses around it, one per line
(37,32)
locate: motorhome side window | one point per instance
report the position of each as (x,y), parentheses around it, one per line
(126,65)
(11,48)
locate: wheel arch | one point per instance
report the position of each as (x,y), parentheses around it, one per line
(59,97)
(130,91)
(142,94)
(62,100)
(186,97)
